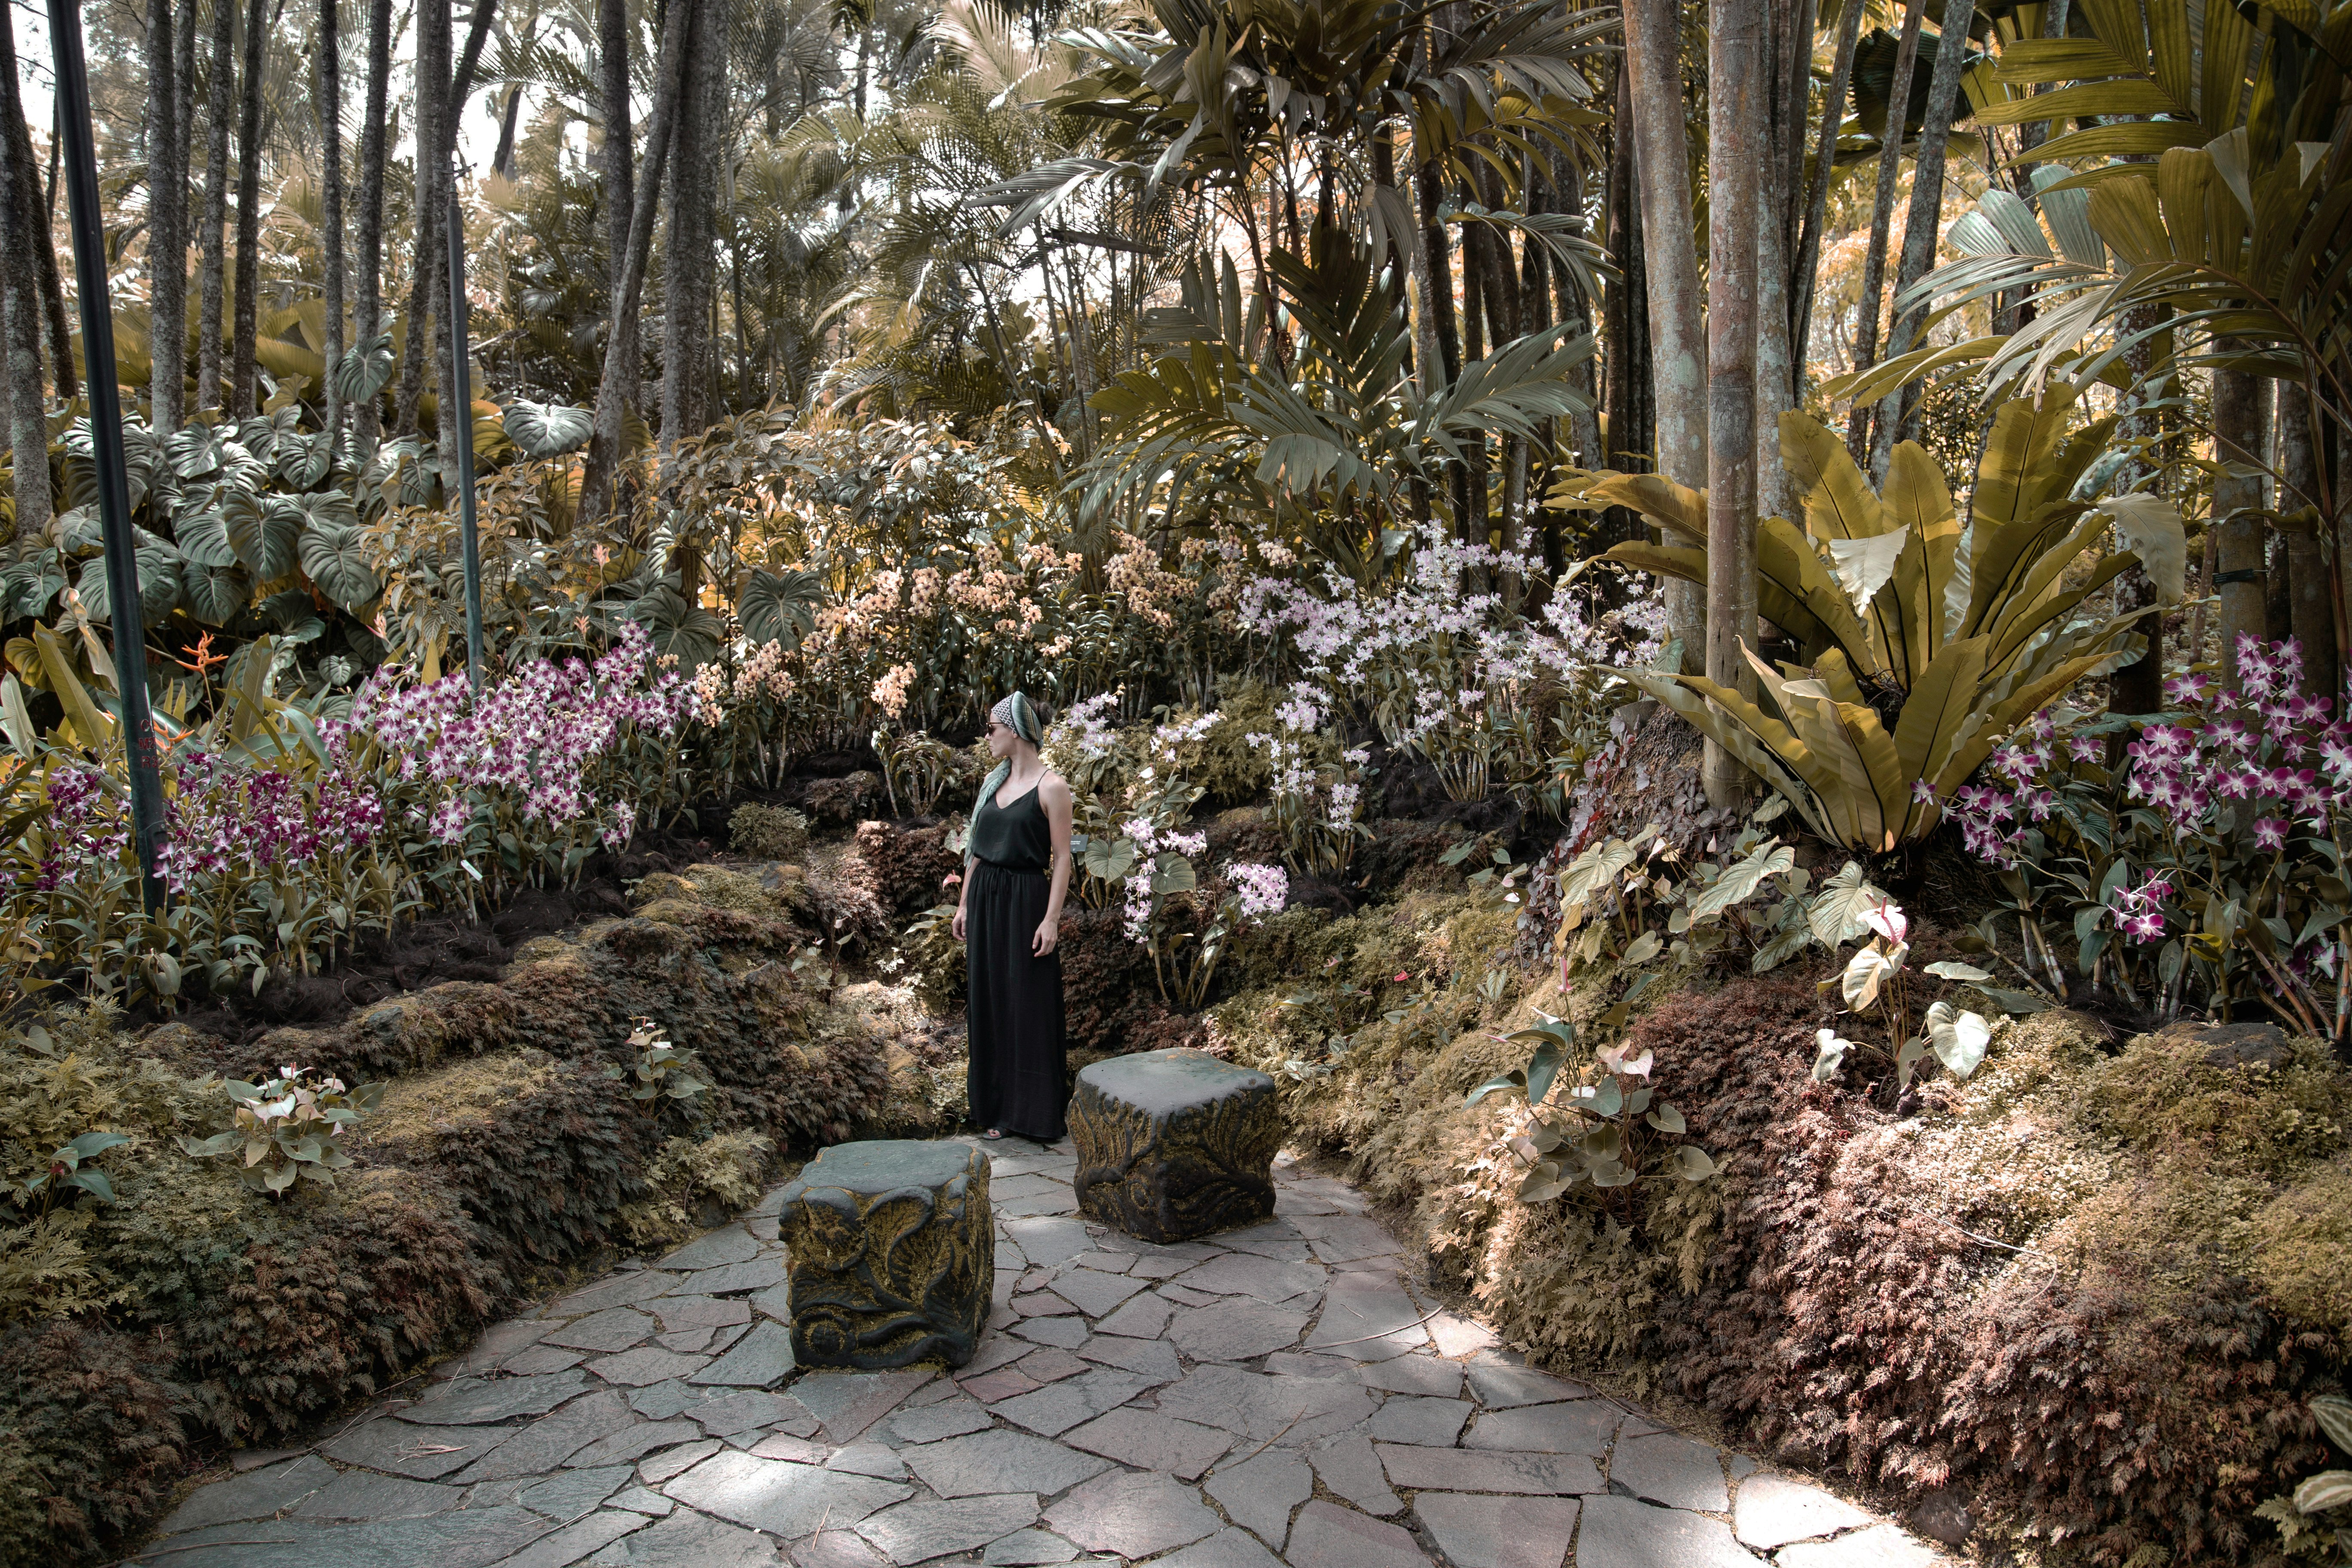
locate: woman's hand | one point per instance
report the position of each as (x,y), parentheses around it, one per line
(1049,931)
(958,926)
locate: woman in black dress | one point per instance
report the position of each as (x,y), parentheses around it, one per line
(1016,871)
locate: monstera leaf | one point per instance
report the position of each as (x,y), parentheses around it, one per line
(333,556)
(776,607)
(687,631)
(546,429)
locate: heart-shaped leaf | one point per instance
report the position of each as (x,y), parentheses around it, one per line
(262,531)
(1693,1163)
(335,556)
(1953,969)
(364,370)
(215,594)
(1959,1039)
(1832,1050)
(545,429)
(779,606)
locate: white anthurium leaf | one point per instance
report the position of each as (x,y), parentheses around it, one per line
(1953,969)
(1831,1056)
(1646,948)
(1835,913)
(1906,1060)
(1863,566)
(1957,1038)
(2152,528)
(1693,1163)
(1869,969)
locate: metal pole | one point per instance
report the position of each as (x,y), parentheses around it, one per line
(81,158)
(461,367)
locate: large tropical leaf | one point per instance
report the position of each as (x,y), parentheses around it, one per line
(687,631)
(335,558)
(261,530)
(547,429)
(779,606)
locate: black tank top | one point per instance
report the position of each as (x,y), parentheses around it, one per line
(1015,836)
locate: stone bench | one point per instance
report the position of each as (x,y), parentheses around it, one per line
(893,1254)
(1173,1144)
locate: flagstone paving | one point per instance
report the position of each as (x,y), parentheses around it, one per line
(1279,1394)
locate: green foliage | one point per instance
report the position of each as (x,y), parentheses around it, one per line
(916,769)
(288,1129)
(1604,1132)
(768,832)
(663,1077)
(1926,645)
(690,1177)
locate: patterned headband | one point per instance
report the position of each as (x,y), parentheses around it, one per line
(1015,714)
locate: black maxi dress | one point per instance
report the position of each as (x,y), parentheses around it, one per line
(1017,1079)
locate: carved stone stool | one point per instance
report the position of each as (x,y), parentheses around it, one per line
(893,1254)
(1173,1144)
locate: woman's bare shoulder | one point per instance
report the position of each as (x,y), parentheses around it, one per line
(1054,790)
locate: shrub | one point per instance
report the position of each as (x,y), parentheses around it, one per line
(768,832)
(910,865)
(690,1179)
(92,1443)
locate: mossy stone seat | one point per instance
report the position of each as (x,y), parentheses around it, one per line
(893,1254)
(1175,1143)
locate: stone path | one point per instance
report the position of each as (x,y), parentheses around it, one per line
(1274,1394)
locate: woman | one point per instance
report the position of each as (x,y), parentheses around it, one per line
(1016,871)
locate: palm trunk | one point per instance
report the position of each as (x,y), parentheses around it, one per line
(45,257)
(689,275)
(2238,442)
(1736,154)
(1900,413)
(615,387)
(432,136)
(20,306)
(218,86)
(330,202)
(1882,220)
(1817,202)
(2137,687)
(2313,611)
(1679,351)
(167,246)
(367,310)
(502,161)
(1785,57)
(243,369)
(1629,413)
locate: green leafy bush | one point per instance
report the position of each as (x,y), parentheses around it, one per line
(768,832)
(691,1181)
(289,1130)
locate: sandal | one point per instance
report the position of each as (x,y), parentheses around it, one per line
(994,1135)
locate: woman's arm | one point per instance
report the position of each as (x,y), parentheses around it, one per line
(1055,796)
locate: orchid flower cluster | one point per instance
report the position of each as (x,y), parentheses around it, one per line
(2222,825)
(535,748)
(1449,668)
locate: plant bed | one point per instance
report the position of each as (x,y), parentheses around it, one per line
(2086,1294)
(512,1146)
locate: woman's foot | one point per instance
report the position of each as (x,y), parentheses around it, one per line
(993,1134)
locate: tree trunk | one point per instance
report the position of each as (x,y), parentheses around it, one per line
(1817,201)
(1898,416)
(615,387)
(432,120)
(1882,222)
(686,255)
(167,245)
(2313,610)
(1784,57)
(1678,348)
(219,87)
(502,161)
(367,313)
(243,369)
(20,306)
(2137,687)
(1630,419)
(1735,155)
(2239,446)
(330,203)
